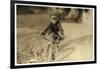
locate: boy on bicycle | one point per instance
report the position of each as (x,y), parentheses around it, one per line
(54,27)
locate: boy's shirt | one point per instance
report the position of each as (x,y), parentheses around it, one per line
(54,27)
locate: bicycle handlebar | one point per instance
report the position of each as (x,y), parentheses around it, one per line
(49,39)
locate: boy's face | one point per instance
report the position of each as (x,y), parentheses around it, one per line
(53,18)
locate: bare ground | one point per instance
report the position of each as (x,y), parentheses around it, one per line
(76,46)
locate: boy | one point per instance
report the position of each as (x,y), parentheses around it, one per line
(54,27)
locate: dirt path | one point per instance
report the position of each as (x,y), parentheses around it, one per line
(76,46)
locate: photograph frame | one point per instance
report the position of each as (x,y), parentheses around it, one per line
(12,34)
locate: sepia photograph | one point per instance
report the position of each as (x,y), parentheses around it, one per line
(46,34)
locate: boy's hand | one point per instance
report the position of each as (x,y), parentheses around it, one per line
(63,37)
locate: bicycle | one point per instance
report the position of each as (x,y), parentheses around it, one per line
(52,48)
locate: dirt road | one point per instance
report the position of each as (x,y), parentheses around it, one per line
(77,46)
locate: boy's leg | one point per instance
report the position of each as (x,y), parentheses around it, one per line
(49,52)
(54,50)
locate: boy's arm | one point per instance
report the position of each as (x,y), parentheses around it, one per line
(61,31)
(60,28)
(46,29)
